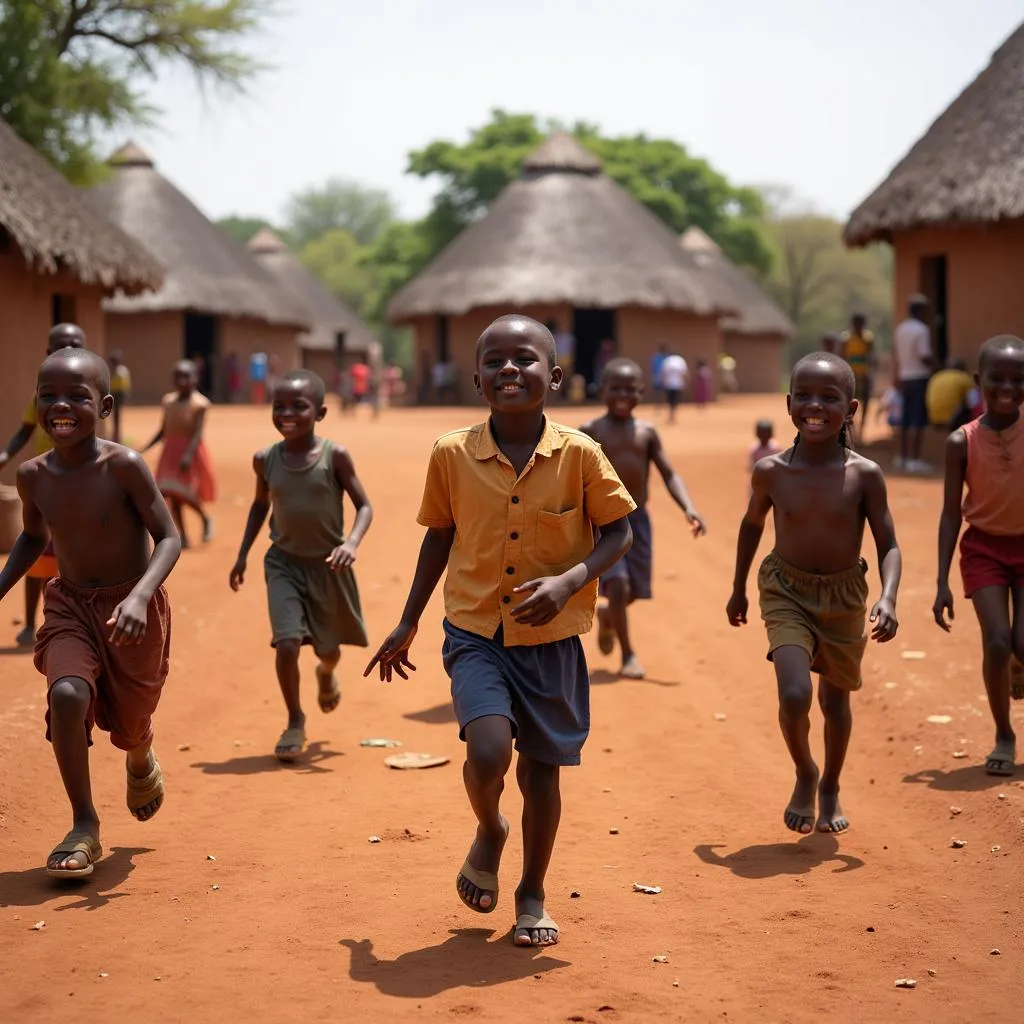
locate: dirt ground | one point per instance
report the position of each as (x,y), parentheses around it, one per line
(256,895)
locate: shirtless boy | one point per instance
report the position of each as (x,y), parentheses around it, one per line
(813,585)
(632,446)
(104,642)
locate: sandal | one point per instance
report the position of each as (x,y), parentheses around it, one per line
(144,789)
(75,842)
(292,744)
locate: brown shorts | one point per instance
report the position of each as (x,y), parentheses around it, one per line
(825,615)
(125,681)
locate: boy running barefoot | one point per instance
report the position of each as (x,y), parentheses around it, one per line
(510,507)
(987,455)
(104,642)
(632,446)
(311,588)
(813,585)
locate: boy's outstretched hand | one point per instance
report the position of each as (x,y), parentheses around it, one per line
(883,615)
(549,596)
(736,609)
(393,654)
(943,606)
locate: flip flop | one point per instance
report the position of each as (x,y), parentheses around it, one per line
(327,699)
(144,789)
(527,923)
(605,630)
(484,880)
(1000,764)
(75,842)
(295,737)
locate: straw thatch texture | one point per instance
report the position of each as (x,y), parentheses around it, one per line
(757,313)
(329,314)
(969,166)
(207,270)
(564,232)
(56,227)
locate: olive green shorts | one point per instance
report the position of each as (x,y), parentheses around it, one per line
(825,615)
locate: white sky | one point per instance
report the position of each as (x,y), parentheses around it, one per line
(822,95)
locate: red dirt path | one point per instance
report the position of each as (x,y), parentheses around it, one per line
(313,923)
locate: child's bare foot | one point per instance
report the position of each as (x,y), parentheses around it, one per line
(799,814)
(605,630)
(632,669)
(533,926)
(26,638)
(75,855)
(145,784)
(478,883)
(329,696)
(1002,760)
(1016,680)
(830,814)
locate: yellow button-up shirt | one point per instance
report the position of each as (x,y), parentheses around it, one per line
(510,530)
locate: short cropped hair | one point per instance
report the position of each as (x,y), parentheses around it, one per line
(997,345)
(547,339)
(837,363)
(621,364)
(96,366)
(313,382)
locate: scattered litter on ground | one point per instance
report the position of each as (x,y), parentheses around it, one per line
(410,760)
(954,810)
(613,831)
(660,959)
(647,890)
(184,746)
(379,742)
(38,926)
(939,719)
(906,983)
(959,754)
(210,856)
(914,655)
(373,839)
(958,844)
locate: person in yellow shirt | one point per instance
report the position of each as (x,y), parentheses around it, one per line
(947,393)
(45,568)
(510,507)
(857,347)
(120,388)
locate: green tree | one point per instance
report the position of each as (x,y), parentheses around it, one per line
(336,258)
(339,204)
(69,69)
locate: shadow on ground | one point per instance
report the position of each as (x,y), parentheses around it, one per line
(775,859)
(34,888)
(442,714)
(464,960)
(602,677)
(311,763)
(969,779)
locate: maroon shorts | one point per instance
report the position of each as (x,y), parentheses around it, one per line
(990,561)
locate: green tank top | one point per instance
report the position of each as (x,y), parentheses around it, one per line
(307,518)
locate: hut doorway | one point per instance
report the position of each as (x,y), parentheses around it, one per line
(933,287)
(200,345)
(591,327)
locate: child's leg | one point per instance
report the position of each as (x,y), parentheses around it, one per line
(992,605)
(617,592)
(835,706)
(488,756)
(287,663)
(328,692)
(33,591)
(1017,665)
(793,674)
(69,705)
(143,773)
(542,810)
(174,504)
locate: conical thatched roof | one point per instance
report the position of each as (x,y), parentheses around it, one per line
(757,313)
(56,227)
(329,314)
(968,167)
(564,232)
(207,270)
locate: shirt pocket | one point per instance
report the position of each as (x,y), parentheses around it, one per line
(558,535)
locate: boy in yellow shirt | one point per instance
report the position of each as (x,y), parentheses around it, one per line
(510,507)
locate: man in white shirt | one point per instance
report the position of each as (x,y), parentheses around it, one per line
(912,350)
(673,380)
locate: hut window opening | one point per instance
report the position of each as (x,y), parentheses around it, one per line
(62,310)
(933,286)
(591,327)
(444,350)
(200,344)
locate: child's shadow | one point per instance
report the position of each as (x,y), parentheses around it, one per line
(970,779)
(442,714)
(33,887)
(602,677)
(465,959)
(775,859)
(310,763)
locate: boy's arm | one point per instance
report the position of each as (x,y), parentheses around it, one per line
(876,508)
(393,654)
(17,442)
(129,618)
(32,539)
(751,531)
(257,517)
(949,523)
(344,555)
(675,485)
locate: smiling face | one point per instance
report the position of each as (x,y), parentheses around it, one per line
(820,400)
(295,409)
(622,388)
(515,367)
(72,395)
(1001,379)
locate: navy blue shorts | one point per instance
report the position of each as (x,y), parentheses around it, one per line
(634,568)
(542,689)
(915,405)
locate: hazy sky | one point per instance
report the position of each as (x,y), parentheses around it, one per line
(823,95)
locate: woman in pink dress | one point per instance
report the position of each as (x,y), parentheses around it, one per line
(702,384)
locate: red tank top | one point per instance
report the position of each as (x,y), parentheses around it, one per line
(995,478)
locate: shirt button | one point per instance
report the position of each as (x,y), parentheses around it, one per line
(515,500)
(511,570)
(514,536)
(506,600)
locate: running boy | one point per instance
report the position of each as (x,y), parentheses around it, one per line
(813,585)
(311,588)
(104,643)
(987,455)
(632,446)
(510,506)
(61,336)
(766,444)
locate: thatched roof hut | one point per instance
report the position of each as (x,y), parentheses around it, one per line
(56,228)
(968,168)
(207,270)
(331,317)
(563,233)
